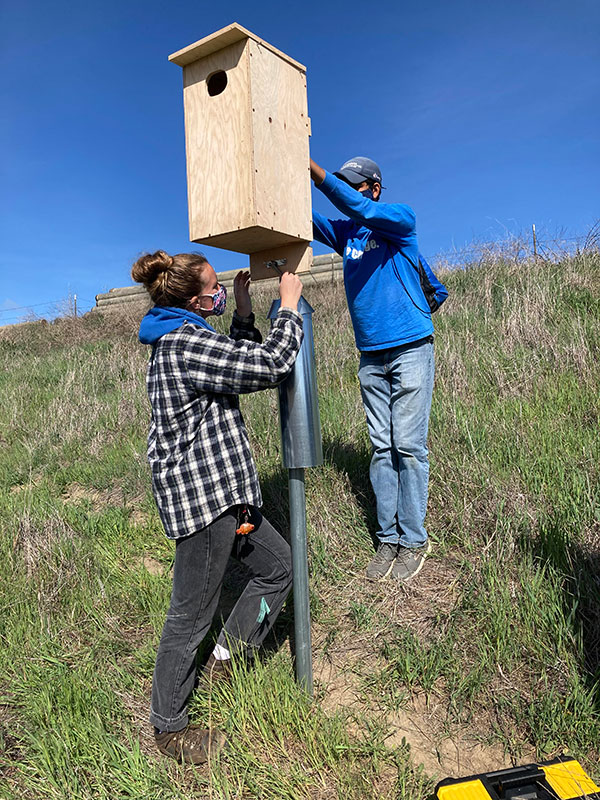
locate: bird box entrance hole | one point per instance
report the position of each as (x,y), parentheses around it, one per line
(247,128)
(216,82)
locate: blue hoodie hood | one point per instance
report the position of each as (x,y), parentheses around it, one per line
(164,319)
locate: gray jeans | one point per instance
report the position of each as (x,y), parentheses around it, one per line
(200,564)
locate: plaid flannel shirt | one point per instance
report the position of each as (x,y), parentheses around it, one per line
(198,447)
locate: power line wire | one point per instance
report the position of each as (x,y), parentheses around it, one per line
(46,303)
(20,308)
(454,253)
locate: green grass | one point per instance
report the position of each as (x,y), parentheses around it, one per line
(499,635)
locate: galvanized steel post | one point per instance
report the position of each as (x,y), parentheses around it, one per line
(302,635)
(301,447)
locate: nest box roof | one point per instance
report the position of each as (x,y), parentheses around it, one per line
(217,41)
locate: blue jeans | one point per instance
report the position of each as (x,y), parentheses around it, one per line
(396,387)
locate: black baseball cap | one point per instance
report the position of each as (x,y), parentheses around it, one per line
(359,169)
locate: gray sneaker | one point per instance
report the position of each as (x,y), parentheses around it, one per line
(382,562)
(409,562)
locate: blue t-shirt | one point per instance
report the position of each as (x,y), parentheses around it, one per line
(378,243)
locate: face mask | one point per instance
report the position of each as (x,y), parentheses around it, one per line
(368,194)
(219,301)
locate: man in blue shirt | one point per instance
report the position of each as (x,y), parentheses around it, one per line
(394,333)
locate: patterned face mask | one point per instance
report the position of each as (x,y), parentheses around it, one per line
(219,301)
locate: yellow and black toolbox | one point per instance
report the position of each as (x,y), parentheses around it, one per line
(561,779)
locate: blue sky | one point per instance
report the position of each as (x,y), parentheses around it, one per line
(483,116)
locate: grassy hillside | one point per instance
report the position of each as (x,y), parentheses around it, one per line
(492,655)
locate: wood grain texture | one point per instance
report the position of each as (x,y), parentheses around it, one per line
(247,148)
(220,39)
(249,240)
(219,149)
(298,259)
(280,133)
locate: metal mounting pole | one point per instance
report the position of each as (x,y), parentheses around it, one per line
(301,447)
(300,570)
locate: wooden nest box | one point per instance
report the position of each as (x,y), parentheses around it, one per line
(246,132)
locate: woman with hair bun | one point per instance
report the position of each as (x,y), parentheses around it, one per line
(204,478)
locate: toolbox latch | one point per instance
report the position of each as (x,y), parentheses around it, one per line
(520,786)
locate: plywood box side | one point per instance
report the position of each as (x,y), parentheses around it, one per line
(220,39)
(298,258)
(249,240)
(280,136)
(219,151)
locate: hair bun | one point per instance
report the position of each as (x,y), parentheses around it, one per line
(149,267)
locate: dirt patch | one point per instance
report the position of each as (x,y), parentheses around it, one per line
(153,566)
(418,604)
(385,607)
(349,655)
(444,749)
(24,487)
(98,499)
(139,518)
(337,688)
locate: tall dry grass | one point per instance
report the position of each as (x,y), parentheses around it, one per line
(499,637)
